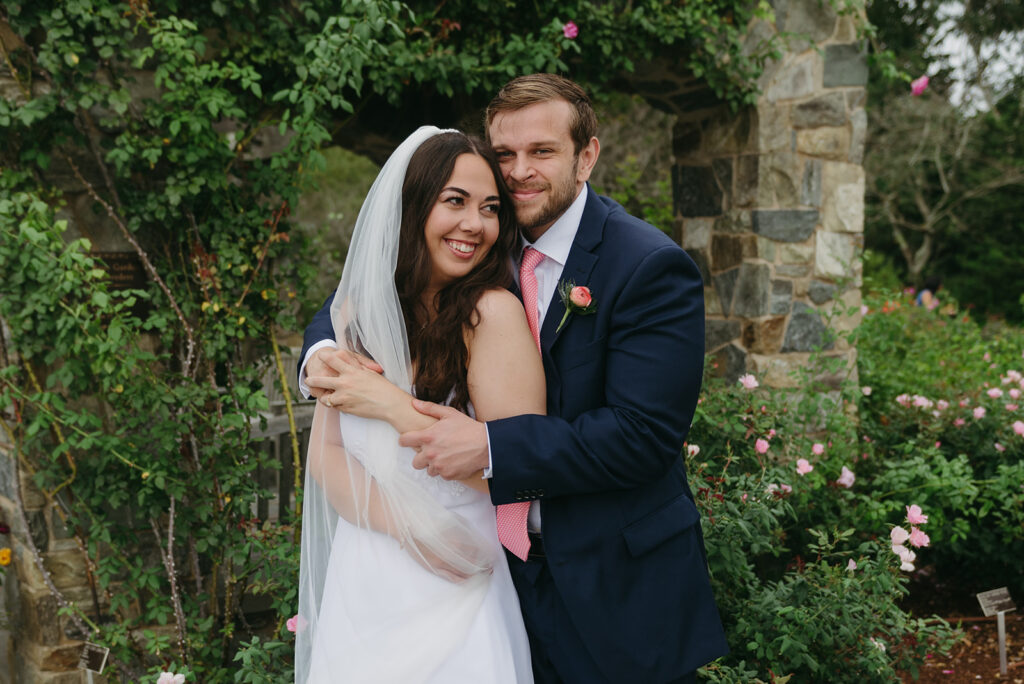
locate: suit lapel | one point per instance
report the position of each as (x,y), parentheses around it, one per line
(578,267)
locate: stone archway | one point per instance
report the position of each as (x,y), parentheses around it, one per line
(770,200)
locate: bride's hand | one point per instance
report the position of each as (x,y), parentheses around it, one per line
(358,389)
(323,364)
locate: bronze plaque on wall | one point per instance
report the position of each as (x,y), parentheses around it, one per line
(125,269)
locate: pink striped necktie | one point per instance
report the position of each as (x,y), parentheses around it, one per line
(512,517)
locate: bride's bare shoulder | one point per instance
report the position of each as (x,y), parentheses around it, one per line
(499,307)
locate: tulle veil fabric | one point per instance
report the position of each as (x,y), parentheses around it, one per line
(390,580)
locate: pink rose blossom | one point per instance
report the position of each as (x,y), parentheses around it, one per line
(995,393)
(918,538)
(897,536)
(1010,407)
(903,400)
(818,449)
(851,564)
(292,624)
(866,391)
(1015,393)
(905,554)
(803,466)
(922,402)
(571,30)
(580,296)
(748,381)
(907,566)
(959,422)
(864,309)
(964,402)
(942,404)
(938,444)
(979,412)
(786,488)
(999,447)
(846,477)
(170,678)
(777,488)
(1014,376)
(915,516)
(771,433)
(744,497)
(761,446)
(1018,427)
(918,86)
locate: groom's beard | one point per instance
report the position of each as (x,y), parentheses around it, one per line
(562,194)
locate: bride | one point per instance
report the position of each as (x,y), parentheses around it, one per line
(402,577)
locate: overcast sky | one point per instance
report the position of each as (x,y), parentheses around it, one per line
(1004,57)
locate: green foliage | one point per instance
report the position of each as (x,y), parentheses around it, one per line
(945,399)
(779,543)
(651,202)
(943,169)
(263,662)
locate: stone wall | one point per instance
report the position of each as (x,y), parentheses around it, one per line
(45,646)
(770,200)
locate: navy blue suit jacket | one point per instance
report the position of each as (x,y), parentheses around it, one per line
(621,531)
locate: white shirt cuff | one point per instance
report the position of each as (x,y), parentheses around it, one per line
(303,387)
(490,463)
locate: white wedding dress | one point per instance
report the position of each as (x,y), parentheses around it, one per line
(375,624)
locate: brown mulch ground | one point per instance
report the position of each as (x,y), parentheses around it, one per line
(976,657)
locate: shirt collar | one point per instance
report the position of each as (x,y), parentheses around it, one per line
(556,242)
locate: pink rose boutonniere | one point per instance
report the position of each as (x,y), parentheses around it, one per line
(577,300)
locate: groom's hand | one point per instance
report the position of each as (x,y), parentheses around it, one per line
(454,447)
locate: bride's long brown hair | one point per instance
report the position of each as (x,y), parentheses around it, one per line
(437,346)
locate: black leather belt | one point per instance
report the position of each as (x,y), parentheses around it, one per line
(536,546)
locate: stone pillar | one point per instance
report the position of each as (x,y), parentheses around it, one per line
(770,201)
(44,646)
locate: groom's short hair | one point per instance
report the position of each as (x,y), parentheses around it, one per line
(524,91)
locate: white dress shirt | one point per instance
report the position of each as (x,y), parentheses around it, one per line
(554,244)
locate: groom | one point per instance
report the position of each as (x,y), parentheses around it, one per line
(613,580)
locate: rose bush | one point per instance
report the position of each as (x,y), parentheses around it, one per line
(821,505)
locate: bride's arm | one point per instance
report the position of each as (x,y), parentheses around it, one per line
(349,490)
(506,376)
(357,498)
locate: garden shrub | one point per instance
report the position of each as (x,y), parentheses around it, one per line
(946,406)
(798,487)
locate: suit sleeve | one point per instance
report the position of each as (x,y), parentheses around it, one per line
(320,328)
(653,367)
